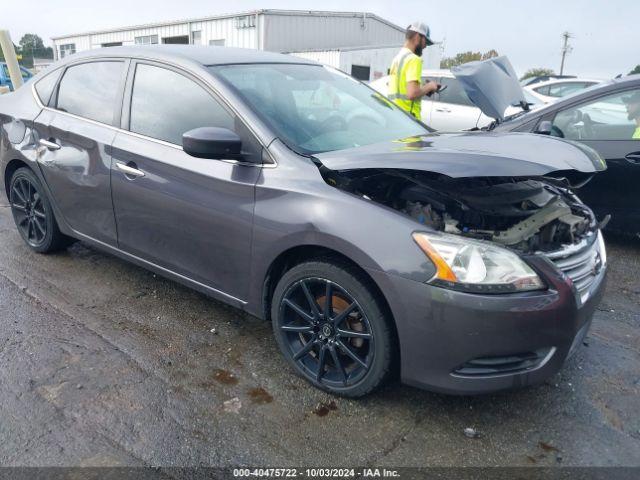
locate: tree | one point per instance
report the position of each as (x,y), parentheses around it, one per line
(31,46)
(466,57)
(537,72)
(635,70)
(31,41)
(15,47)
(490,54)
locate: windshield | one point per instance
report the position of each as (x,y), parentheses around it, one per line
(315,109)
(531,100)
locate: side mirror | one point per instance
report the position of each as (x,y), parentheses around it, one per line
(544,128)
(212,142)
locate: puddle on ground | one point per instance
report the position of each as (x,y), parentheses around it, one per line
(225,377)
(260,396)
(323,409)
(547,447)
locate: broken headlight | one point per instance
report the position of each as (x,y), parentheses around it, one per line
(476,266)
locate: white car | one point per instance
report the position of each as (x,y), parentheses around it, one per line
(552,90)
(451,110)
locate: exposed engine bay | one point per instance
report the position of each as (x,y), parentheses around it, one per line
(526,214)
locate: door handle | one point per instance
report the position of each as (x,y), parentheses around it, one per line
(129,169)
(443,110)
(49,144)
(633,158)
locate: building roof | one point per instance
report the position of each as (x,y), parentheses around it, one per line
(345,49)
(203,55)
(307,13)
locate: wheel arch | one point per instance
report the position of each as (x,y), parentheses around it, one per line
(304,253)
(10,169)
(14,165)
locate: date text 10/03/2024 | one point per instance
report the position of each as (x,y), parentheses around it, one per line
(316,472)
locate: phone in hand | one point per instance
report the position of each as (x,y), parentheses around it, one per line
(441,88)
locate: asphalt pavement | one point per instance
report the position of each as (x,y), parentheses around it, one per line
(104,363)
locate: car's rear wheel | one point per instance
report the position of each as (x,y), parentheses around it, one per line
(332,328)
(33,214)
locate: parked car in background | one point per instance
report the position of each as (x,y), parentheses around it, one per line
(542,78)
(451,110)
(598,117)
(5,79)
(373,245)
(552,90)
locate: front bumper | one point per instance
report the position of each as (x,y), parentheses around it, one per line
(443,331)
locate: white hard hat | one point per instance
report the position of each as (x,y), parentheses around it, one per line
(422,29)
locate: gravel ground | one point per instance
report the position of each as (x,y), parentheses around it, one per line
(103,363)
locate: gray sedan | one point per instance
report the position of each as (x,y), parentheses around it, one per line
(460,263)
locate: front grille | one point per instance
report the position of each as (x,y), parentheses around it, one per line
(507,364)
(581,263)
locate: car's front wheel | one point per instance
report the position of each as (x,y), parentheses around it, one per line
(332,328)
(33,214)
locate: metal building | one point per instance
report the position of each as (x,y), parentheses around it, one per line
(368,63)
(272,30)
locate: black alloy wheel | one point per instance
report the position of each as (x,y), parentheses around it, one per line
(28,211)
(331,329)
(33,214)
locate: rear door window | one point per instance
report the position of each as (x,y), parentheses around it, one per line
(90,90)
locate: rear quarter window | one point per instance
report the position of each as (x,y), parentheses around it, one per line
(44,86)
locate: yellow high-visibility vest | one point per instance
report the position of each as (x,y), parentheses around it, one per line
(636,134)
(406,67)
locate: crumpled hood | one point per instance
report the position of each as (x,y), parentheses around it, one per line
(472,154)
(492,85)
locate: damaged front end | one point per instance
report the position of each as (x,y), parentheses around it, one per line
(478,228)
(528,215)
(486,201)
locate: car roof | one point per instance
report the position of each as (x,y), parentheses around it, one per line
(555,81)
(544,78)
(203,55)
(627,79)
(603,87)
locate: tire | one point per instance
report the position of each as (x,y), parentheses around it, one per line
(33,214)
(325,349)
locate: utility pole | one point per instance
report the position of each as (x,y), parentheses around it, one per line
(6,45)
(566,48)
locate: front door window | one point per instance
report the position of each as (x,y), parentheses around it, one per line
(607,118)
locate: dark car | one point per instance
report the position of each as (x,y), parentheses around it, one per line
(464,263)
(599,117)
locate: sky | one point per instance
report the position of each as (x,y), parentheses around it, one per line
(606,35)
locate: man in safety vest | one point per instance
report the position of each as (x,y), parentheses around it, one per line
(633,112)
(405,74)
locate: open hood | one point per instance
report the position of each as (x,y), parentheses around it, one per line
(471,154)
(492,85)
